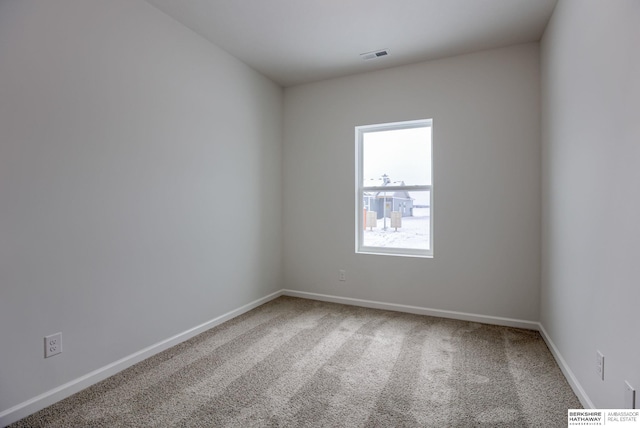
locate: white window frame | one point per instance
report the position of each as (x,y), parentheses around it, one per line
(360,190)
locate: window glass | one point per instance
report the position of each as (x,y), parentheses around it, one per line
(402,154)
(394,189)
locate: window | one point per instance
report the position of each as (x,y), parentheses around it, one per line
(394,189)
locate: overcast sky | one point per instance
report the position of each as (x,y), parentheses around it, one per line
(402,154)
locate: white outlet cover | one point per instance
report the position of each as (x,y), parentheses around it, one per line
(52,345)
(600,364)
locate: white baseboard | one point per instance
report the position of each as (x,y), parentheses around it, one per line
(48,398)
(28,407)
(566,370)
(485,319)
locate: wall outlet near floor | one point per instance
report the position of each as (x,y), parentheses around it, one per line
(342,275)
(629,396)
(600,364)
(52,345)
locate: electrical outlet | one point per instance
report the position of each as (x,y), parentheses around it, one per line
(52,345)
(600,364)
(629,396)
(342,275)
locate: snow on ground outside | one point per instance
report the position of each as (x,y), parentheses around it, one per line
(413,234)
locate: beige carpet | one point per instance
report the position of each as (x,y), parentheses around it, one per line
(295,362)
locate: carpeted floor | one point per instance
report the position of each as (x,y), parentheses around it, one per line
(295,362)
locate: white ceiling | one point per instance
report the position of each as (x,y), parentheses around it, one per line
(300,41)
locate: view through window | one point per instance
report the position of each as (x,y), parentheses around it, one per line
(394,188)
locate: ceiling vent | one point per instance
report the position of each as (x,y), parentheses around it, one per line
(375,54)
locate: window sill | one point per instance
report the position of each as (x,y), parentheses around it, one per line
(375,252)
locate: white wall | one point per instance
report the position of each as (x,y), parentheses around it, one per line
(140,185)
(591,167)
(486,146)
